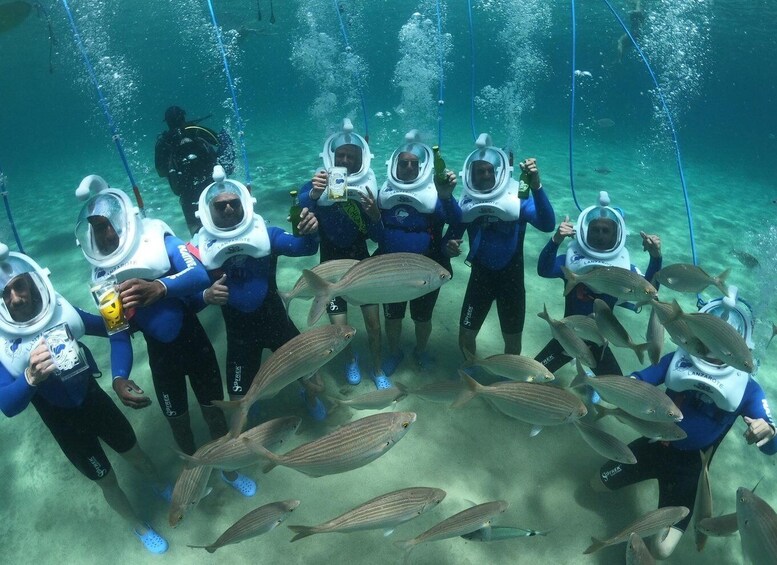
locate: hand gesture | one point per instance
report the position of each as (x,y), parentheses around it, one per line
(445,189)
(370,205)
(218,292)
(130,394)
(651,244)
(308,223)
(565,229)
(41,364)
(758,431)
(529,166)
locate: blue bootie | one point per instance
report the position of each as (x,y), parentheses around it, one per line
(381,381)
(352,373)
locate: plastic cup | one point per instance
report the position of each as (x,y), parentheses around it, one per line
(106,296)
(337,183)
(65,352)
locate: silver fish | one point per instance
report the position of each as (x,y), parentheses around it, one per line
(718,526)
(373,400)
(230,454)
(350,446)
(386,511)
(513,367)
(745,258)
(445,392)
(299,357)
(586,328)
(649,524)
(654,337)
(189,489)
(605,444)
(702,508)
(497,533)
(664,431)
(723,340)
(330,271)
(637,552)
(757,522)
(614,331)
(382,279)
(464,522)
(678,330)
(541,405)
(569,340)
(636,397)
(255,523)
(621,283)
(774,333)
(686,277)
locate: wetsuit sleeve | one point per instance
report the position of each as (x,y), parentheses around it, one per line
(189,275)
(121,348)
(448,211)
(304,196)
(283,243)
(539,211)
(755,406)
(655,374)
(549,264)
(653,267)
(15,394)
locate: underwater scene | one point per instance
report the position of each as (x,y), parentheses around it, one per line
(656,115)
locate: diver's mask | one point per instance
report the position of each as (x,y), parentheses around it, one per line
(739,315)
(108,224)
(484,164)
(348,137)
(411,165)
(20,272)
(601,230)
(226,207)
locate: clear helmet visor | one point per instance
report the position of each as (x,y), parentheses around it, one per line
(28,298)
(485,170)
(347,150)
(102,226)
(226,207)
(410,163)
(601,232)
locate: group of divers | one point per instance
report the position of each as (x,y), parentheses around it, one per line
(682,405)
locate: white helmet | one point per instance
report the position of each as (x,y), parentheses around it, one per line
(207,207)
(17,268)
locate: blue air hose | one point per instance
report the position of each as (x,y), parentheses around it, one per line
(356,73)
(4,192)
(572,110)
(472,70)
(231,83)
(104,105)
(441,73)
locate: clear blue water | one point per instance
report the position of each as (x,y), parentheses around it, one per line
(717,66)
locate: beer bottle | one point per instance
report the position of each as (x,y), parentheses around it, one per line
(439,166)
(523,185)
(294,212)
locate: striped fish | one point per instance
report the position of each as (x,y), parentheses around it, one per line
(513,367)
(569,340)
(189,489)
(230,454)
(718,526)
(722,339)
(330,271)
(757,522)
(623,284)
(686,277)
(614,332)
(654,336)
(702,508)
(375,399)
(678,330)
(464,522)
(382,279)
(605,444)
(257,522)
(386,511)
(649,524)
(585,327)
(541,405)
(299,357)
(348,447)
(665,431)
(445,392)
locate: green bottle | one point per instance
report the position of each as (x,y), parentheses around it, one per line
(439,166)
(294,212)
(523,185)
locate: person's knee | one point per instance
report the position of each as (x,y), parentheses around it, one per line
(664,542)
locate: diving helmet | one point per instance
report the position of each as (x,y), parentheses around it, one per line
(347,137)
(480,165)
(411,165)
(108,225)
(226,207)
(601,230)
(24,275)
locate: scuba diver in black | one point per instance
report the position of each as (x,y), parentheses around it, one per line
(186,154)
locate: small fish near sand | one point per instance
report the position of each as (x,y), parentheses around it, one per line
(602,170)
(686,277)
(637,552)
(568,338)
(745,258)
(757,522)
(514,367)
(719,526)
(605,444)
(190,488)
(498,533)
(373,400)
(350,446)
(614,332)
(255,523)
(386,512)
(623,284)
(774,333)
(330,271)
(649,524)
(702,508)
